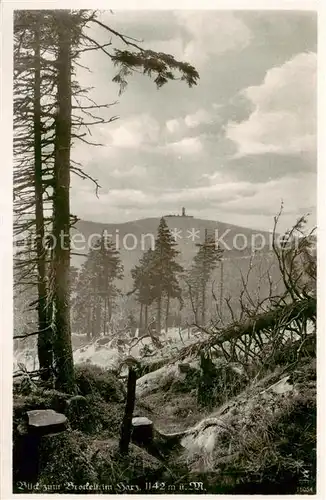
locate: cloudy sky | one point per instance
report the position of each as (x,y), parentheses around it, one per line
(229,149)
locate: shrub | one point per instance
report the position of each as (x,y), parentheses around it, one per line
(95,416)
(91,379)
(275,450)
(65,460)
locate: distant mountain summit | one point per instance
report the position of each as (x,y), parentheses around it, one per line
(134,237)
(183,214)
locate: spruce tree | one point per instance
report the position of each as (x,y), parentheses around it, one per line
(95,289)
(110,269)
(204,263)
(165,271)
(141,275)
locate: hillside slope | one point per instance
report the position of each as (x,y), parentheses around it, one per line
(134,237)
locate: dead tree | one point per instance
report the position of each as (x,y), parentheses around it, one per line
(61,210)
(126,427)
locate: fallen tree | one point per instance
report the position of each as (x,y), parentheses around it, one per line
(281,316)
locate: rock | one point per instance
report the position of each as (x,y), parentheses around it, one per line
(161,379)
(136,421)
(92,379)
(142,431)
(282,386)
(184,367)
(103,341)
(233,427)
(46,421)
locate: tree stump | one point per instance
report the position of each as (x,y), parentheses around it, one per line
(142,431)
(26,445)
(205,393)
(184,367)
(43,422)
(126,427)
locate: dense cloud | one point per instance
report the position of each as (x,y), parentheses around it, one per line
(229,149)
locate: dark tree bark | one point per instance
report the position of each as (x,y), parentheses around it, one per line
(203,299)
(97,321)
(140,328)
(104,318)
(126,426)
(158,317)
(61,210)
(89,324)
(221,290)
(205,393)
(203,291)
(167,314)
(109,309)
(146,318)
(44,340)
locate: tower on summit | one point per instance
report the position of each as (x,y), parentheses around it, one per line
(183,214)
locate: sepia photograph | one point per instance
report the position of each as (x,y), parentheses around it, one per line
(164,251)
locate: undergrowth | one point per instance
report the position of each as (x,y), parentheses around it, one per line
(270,453)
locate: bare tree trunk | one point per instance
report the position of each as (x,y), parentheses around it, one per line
(126,426)
(110,309)
(89,324)
(140,327)
(221,289)
(146,318)
(44,340)
(106,296)
(97,321)
(104,319)
(194,305)
(158,317)
(167,314)
(203,299)
(203,291)
(61,210)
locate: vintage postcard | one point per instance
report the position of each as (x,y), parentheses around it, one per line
(164,248)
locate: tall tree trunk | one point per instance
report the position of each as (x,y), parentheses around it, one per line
(106,298)
(203,303)
(61,210)
(44,340)
(221,289)
(104,319)
(203,291)
(97,321)
(126,427)
(140,327)
(89,324)
(167,314)
(146,318)
(93,321)
(158,316)
(109,309)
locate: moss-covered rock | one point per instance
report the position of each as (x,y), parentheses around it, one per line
(96,416)
(113,468)
(91,379)
(263,438)
(65,460)
(74,463)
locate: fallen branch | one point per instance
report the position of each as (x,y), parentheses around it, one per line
(26,335)
(304,308)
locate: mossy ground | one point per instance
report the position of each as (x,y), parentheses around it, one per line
(85,458)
